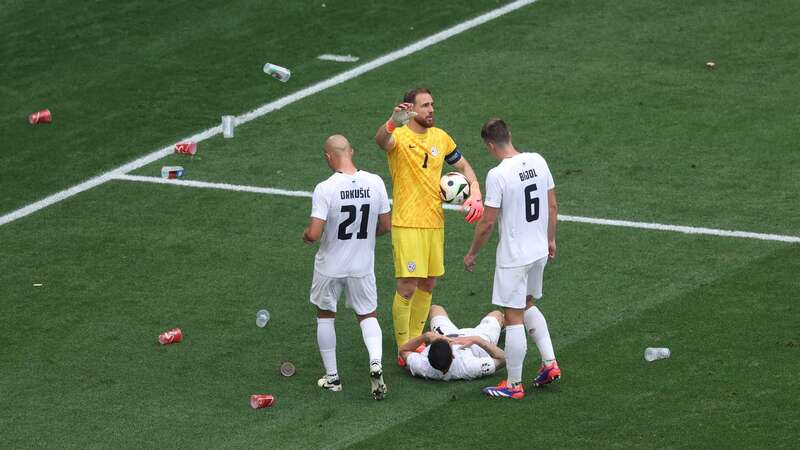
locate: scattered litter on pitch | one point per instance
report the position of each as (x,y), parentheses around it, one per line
(171,172)
(287,369)
(172,336)
(186,148)
(654,353)
(42,116)
(279,73)
(258,401)
(262,317)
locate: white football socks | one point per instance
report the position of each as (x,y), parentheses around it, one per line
(516,347)
(537,328)
(373,339)
(326,339)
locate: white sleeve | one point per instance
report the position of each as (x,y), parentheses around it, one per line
(384,208)
(415,364)
(494,190)
(319,203)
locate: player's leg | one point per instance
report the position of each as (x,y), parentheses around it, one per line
(325,293)
(420,306)
(401,308)
(437,310)
(508,292)
(516,344)
(490,326)
(362,297)
(432,244)
(441,323)
(373,338)
(406,252)
(536,326)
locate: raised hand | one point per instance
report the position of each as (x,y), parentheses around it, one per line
(402,114)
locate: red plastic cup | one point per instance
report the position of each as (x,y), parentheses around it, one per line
(42,116)
(186,148)
(172,336)
(258,401)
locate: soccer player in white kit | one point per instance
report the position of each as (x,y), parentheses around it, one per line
(521,191)
(348,210)
(451,353)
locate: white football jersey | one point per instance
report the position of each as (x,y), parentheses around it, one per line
(468,363)
(349,205)
(519,187)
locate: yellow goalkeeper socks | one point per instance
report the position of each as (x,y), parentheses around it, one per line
(401,310)
(420,308)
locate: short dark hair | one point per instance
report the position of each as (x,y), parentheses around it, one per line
(440,355)
(496,131)
(411,96)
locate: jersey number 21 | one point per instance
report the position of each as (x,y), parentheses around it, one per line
(351,217)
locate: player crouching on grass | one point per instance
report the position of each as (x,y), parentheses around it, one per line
(348,210)
(451,353)
(521,192)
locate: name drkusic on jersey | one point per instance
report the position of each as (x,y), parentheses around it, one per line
(349,205)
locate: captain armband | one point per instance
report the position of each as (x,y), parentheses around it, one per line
(453,157)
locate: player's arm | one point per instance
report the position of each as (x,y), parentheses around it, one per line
(384,223)
(551,224)
(314,230)
(475,200)
(482,232)
(496,353)
(463,166)
(493,350)
(401,115)
(412,345)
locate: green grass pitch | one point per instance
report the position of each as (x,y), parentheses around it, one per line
(616,96)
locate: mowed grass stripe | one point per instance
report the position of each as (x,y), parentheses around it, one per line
(268,108)
(565,218)
(730,382)
(162,261)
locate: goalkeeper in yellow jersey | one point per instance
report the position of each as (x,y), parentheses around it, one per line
(417,151)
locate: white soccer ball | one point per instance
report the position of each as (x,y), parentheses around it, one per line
(454,188)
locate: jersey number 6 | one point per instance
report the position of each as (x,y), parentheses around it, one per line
(530,216)
(351,217)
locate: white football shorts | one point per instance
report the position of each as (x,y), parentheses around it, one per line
(362,295)
(513,284)
(489,328)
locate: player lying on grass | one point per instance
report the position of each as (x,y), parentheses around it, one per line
(451,353)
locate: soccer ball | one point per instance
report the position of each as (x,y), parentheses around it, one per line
(454,188)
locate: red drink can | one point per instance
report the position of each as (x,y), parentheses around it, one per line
(258,401)
(186,148)
(172,336)
(42,116)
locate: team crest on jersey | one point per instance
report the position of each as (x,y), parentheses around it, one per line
(434,151)
(411,266)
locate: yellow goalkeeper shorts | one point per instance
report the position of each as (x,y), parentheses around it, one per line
(418,252)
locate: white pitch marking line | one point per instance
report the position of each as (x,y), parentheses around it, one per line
(208,185)
(561,217)
(338,58)
(269,107)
